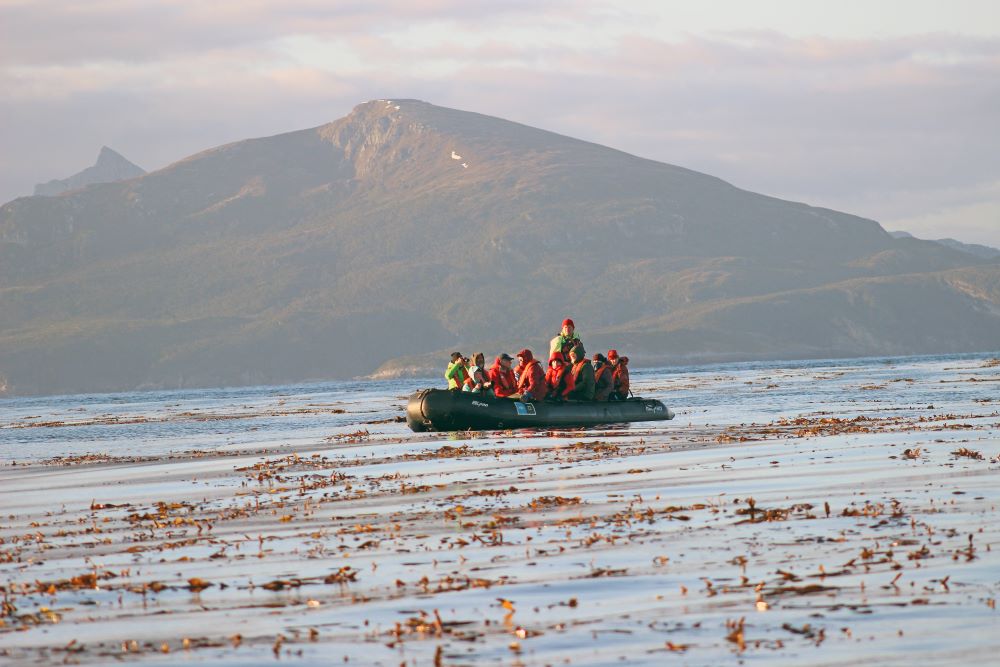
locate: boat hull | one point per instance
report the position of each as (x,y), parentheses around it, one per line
(441,410)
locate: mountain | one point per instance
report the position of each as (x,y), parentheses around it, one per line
(983,251)
(110,167)
(403,230)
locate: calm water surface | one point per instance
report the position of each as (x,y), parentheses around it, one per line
(208,419)
(834,512)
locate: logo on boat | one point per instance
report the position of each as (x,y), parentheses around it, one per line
(480,404)
(654,408)
(524,408)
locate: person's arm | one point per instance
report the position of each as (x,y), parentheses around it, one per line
(555,345)
(452,374)
(536,382)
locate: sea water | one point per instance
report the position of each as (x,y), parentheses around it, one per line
(820,512)
(154,423)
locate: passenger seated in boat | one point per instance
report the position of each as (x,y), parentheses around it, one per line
(558,379)
(502,376)
(566,340)
(531,378)
(619,376)
(456,374)
(582,374)
(602,378)
(478,382)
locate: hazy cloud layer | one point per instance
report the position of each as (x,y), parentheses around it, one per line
(903,129)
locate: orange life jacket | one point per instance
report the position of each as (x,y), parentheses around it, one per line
(620,378)
(600,371)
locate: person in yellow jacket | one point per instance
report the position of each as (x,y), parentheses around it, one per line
(457,374)
(566,340)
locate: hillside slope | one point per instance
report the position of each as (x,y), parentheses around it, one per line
(405,228)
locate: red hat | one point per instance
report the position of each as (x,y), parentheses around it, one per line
(526,355)
(568,323)
(612,354)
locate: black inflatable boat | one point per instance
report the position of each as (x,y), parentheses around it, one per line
(442,410)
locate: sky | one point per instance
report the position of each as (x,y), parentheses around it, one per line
(888,109)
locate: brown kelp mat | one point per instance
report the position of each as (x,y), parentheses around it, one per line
(846,537)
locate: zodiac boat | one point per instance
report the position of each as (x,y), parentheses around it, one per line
(443,410)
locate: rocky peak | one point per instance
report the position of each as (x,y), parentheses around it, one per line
(110,158)
(110,166)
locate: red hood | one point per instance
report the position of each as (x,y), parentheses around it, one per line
(526,355)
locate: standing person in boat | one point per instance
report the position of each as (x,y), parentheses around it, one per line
(456,375)
(582,374)
(566,340)
(479,381)
(602,378)
(619,376)
(502,376)
(558,379)
(531,378)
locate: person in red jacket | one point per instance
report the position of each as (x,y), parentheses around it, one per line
(502,376)
(619,376)
(531,382)
(558,379)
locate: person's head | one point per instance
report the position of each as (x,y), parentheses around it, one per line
(465,361)
(568,327)
(612,357)
(577,353)
(455,356)
(479,359)
(623,361)
(599,359)
(556,360)
(505,360)
(525,356)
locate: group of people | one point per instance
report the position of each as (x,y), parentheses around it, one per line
(570,375)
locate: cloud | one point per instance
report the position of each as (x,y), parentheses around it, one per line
(970,214)
(974,223)
(53,32)
(897,129)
